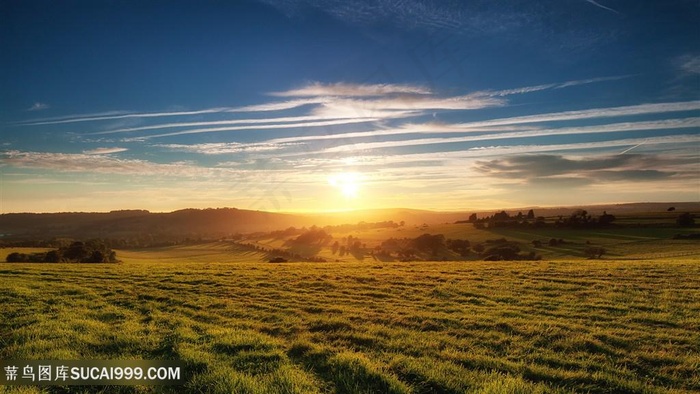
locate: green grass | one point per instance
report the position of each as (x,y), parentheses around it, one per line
(451,327)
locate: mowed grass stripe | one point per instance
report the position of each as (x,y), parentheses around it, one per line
(450,327)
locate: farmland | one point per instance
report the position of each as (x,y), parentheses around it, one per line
(241,325)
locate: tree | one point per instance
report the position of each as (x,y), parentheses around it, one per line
(685,220)
(460,246)
(428,242)
(76,252)
(53,256)
(472,218)
(580,216)
(530,214)
(96,257)
(335,247)
(594,252)
(16,257)
(606,219)
(501,216)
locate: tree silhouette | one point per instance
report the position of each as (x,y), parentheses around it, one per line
(685,220)
(530,214)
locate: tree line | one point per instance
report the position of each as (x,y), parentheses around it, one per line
(92,251)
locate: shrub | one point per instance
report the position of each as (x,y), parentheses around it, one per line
(16,257)
(594,252)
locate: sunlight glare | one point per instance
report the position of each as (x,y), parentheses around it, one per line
(347,183)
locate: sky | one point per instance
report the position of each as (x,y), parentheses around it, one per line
(301,105)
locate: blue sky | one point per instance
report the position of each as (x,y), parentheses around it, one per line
(300,105)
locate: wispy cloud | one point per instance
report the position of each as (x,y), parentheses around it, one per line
(426,128)
(689,65)
(507,124)
(257,127)
(592,80)
(119,115)
(329,101)
(595,3)
(286,120)
(217,148)
(341,89)
(280,106)
(593,113)
(101,164)
(609,128)
(436,16)
(559,85)
(104,151)
(38,107)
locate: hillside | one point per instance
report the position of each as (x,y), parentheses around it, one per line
(222,222)
(119,224)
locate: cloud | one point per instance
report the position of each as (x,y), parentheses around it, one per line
(426,128)
(602,6)
(383,159)
(347,99)
(591,80)
(279,106)
(462,17)
(594,113)
(407,15)
(38,107)
(556,169)
(609,128)
(217,148)
(633,175)
(285,120)
(341,89)
(261,127)
(101,164)
(104,151)
(118,115)
(354,102)
(509,124)
(531,166)
(403,107)
(689,65)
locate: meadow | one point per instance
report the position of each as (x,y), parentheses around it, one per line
(246,326)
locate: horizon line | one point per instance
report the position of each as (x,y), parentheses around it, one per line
(303,212)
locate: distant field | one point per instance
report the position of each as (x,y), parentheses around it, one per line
(365,327)
(626,243)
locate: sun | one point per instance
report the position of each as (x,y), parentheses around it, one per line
(348,183)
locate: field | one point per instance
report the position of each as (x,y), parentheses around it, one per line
(648,236)
(598,326)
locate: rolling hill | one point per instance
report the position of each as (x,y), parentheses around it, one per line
(223,222)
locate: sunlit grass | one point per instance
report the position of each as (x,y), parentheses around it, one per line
(454,327)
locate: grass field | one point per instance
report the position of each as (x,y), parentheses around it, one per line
(626,243)
(450,327)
